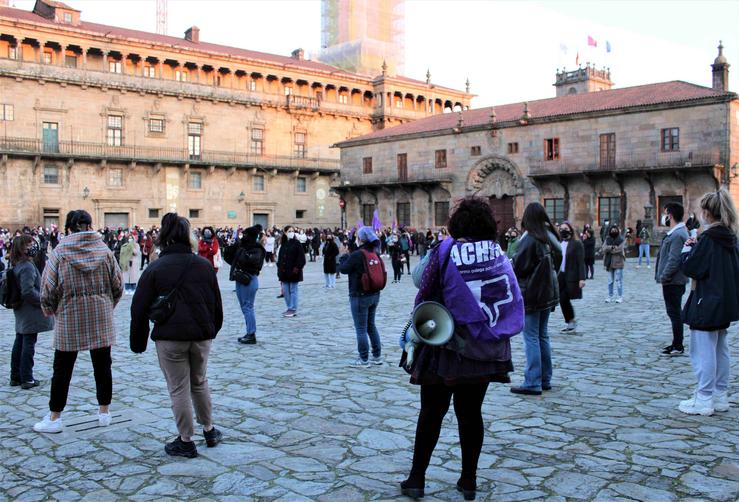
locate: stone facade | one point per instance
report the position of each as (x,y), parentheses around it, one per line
(130,125)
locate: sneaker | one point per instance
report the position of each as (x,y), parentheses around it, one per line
(721,401)
(570,328)
(104,419)
(178,448)
(30,385)
(526,392)
(377,361)
(14,383)
(609,299)
(620,299)
(212,437)
(290,313)
(248,339)
(49,426)
(649,267)
(359,363)
(697,405)
(673,351)
(638,267)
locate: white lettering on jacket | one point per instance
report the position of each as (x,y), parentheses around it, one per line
(470,253)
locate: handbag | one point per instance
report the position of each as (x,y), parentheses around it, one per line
(164,305)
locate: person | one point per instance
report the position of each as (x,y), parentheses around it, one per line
(363,303)
(129,261)
(604,229)
(290,264)
(269,248)
(330,254)
(692,225)
(512,243)
(668,273)
(588,244)
(147,247)
(472,277)
(183,341)
(571,276)
(644,247)
(614,260)
(404,242)
(208,246)
(29,318)
(396,256)
(535,263)
(81,285)
(712,261)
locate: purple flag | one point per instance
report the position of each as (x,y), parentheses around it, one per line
(376,225)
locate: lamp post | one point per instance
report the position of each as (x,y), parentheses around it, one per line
(242,196)
(85,193)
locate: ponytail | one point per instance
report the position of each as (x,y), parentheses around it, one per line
(721,208)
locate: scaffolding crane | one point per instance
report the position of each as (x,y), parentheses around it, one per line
(162,17)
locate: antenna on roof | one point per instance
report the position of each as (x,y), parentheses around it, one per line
(162,17)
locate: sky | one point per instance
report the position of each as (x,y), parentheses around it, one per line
(509,50)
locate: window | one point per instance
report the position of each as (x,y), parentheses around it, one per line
(47,57)
(149,71)
(68,17)
(299,214)
(70,61)
(663,201)
(368,212)
(367,165)
(194,213)
(180,76)
(12,52)
(300,145)
(440,159)
(196,181)
(115,177)
(399,103)
(252,85)
(115,67)
(288,91)
(555,209)
(51,217)
(115,130)
(300,184)
(403,213)
(343,98)
(51,175)
(259,183)
(194,136)
(670,139)
(403,166)
(154,214)
(441,213)
(156,125)
(608,151)
(475,151)
(609,208)
(512,148)
(218,81)
(6,112)
(257,141)
(551,149)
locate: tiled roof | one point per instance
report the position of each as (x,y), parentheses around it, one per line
(615,99)
(423,83)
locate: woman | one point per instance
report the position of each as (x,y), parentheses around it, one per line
(614,260)
(29,318)
(290,264)
(330,253)
(536,262)
(208,246)
(246,258)
(472,277)
(396,256)
(588,244)
(571,276)
(712,262)
(183,340)
(80,286)
(512,243)
(130,264)
(644,246)
(269,248)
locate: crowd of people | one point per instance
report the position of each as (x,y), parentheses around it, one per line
(494,288)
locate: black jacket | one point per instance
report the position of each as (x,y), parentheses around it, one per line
(574,268)
(290,261)
(539,285)
(714,264)
(588,245)
(251,263)
(353,266)
(198,313)
(330,252)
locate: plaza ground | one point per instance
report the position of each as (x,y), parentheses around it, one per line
(299,424)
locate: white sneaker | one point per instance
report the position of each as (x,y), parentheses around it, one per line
(721,401)
(377,361)
(697,405)
(638,266)
(49,426)
(620,299)
(104,419)
(649,267)
(609,299)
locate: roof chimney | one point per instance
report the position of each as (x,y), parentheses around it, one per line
(193,34)
(298,54)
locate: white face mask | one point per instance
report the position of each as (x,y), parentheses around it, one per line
(290,234)
(665,220)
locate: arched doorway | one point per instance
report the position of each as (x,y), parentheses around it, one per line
(504,212)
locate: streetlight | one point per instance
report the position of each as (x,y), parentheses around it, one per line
(242,196)
(85,193)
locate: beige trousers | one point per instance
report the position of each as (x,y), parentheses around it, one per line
(184,365)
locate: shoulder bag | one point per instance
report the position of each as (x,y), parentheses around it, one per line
(164,305)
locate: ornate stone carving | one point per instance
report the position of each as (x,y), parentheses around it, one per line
(494,176)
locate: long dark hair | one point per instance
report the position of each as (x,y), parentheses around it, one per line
(175,230)
(284,239)
(18,249)
(78,220)
(473,218)
(537,223)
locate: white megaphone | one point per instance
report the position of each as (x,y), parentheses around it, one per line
(431,323)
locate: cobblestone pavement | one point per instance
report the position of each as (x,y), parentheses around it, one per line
(301,425)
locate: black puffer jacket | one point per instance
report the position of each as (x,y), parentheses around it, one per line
(198,313)
(538,284)
(290,261)
(251,259)
(714,264)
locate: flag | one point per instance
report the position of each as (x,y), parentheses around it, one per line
(592,41)
(577,59)
(395,223)
(376,225)
(608,46)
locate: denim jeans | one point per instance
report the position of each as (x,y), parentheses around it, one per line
(709,353)
(290,290)
(644,251)
(21,359)
(363,313)
(246,295)
(538,370)
(330,280)
(616,275)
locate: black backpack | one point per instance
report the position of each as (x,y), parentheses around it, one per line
(10,290)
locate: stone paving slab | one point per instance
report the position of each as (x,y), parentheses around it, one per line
(299,424)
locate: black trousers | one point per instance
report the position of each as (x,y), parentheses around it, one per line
(63,367)
(673,295)
(435,401)
(565,302)
(407,255)
(397,269)
(144,261)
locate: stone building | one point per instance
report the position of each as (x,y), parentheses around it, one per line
(129,124)
(590,154)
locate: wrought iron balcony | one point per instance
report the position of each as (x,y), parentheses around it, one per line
(371,181)
(80,150)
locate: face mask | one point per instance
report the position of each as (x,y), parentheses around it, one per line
(614,234)
(130,240)
(665,220)
(290,235)
(566,234)
(208,234)
(32,250)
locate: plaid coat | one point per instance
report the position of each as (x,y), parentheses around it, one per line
(81,286)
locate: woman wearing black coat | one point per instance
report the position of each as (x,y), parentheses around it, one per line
(588,244)
(183,341)
(290,263)
(571,276)
(330,252)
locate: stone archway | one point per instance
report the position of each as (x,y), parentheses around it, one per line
(500,181)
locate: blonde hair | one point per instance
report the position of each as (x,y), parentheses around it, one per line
(721,208)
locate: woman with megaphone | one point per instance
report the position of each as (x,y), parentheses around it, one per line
(470,278)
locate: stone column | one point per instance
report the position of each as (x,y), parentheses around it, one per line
(84,59)
(160,69)
(105,61)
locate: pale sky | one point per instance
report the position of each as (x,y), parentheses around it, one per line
(510,50)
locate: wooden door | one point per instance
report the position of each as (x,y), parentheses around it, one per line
(503,212)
